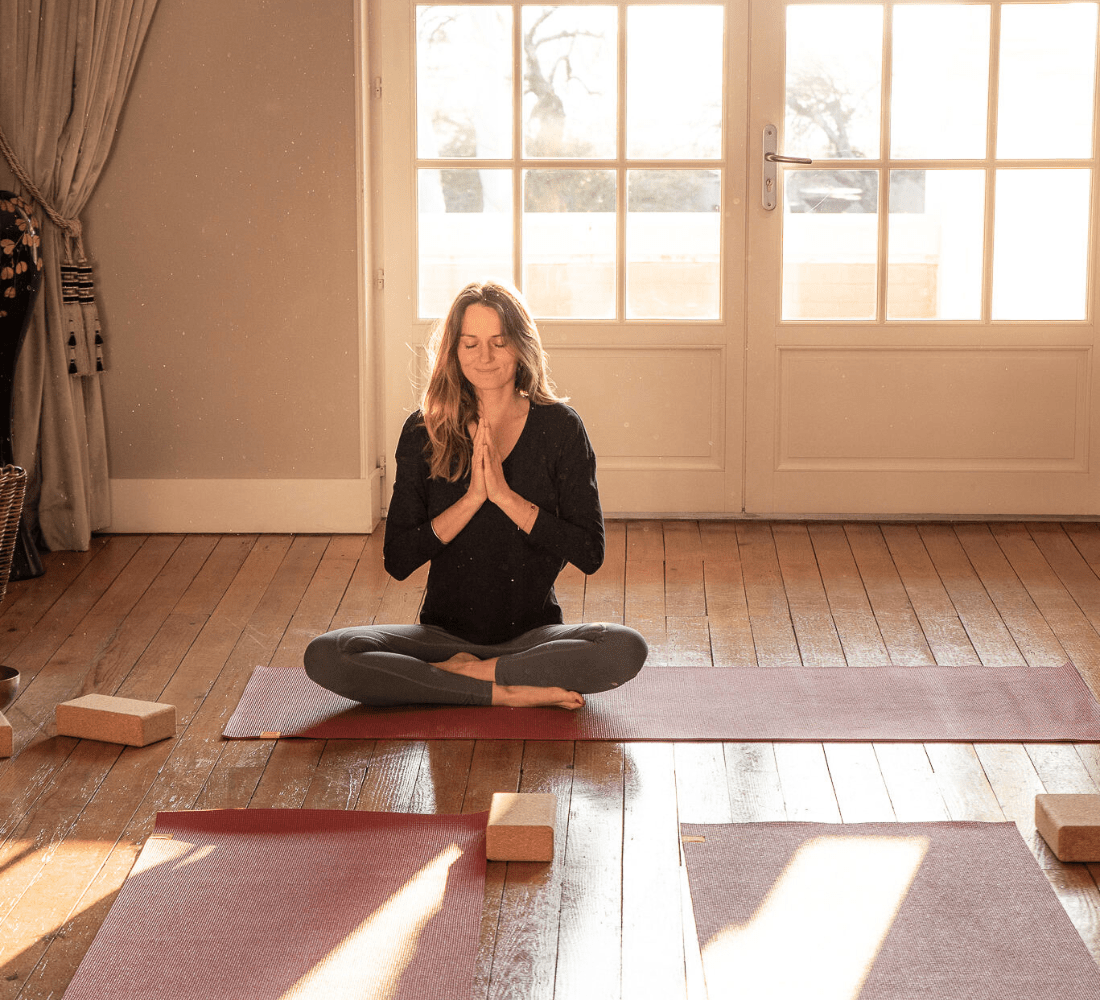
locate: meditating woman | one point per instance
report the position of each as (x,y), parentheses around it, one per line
(496,486)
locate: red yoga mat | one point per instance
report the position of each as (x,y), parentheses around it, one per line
(882,911)
(925,704)
(289,904)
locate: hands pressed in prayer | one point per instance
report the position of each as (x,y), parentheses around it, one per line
(487,480)
(487,458)
(478,487)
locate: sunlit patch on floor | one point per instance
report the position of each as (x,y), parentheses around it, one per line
(369,962)
(832,907)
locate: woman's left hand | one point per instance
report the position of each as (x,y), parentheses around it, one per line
(496,486)
(520,512)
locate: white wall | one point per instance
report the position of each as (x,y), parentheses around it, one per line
(225,232)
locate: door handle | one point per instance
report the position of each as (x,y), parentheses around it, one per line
(770,173)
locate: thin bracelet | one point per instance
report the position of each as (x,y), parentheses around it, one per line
(535,509)
(431,524)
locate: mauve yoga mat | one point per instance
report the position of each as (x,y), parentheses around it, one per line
(925,704)
(289,904)
(935,910)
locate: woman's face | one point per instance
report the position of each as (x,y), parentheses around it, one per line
(483,355)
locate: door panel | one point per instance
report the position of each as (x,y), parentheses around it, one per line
(593,155)
(948,409)
(921,323)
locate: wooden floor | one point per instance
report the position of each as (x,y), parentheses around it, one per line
(184,619)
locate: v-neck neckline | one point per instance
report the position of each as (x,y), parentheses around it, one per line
(522,432)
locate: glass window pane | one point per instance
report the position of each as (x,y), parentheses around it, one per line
(1040,251)
(940,113)
(569,243)
(570,81)
(830,244)
(834,76)
(1046,73)
(936,236)
(464,232)
(674,82)
(463,104)
(673,235)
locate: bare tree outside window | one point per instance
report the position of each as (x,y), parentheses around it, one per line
(569,105)
(832,97)
(572,114)
(819,106)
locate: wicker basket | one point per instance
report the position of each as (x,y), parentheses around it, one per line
(13,486)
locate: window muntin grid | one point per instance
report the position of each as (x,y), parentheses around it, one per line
(939,230)
(613,207)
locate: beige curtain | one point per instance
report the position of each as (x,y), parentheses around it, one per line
(65,68)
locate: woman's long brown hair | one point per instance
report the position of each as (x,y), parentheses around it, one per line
(449,402)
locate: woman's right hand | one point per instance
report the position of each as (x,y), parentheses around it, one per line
(448,524)
(478,490)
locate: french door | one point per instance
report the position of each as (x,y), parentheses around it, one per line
(904,325)
(921,299)
(582,151)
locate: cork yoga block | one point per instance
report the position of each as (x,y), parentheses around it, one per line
(116,720)
(521,827)
(1070,824)
(6,741)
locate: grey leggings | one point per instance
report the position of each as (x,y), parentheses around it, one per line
(392,664)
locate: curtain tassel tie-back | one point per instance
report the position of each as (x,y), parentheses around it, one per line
(83,332)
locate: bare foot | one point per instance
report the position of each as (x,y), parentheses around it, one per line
(522,696)
(454,664)
(470,666)
(511,695)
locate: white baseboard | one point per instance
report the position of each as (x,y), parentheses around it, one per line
(245,506)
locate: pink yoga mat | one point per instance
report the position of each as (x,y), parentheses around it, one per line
(262,904)
(926,704)
(924,911)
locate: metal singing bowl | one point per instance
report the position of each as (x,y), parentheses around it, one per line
(9,685)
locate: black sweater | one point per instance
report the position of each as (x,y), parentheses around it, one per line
(493,582)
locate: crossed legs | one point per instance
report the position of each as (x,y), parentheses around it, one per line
(410,664)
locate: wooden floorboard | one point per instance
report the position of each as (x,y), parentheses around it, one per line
(970,600)
(766,599)
(811,616)
(940,623)
(652,953)
(185,619)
